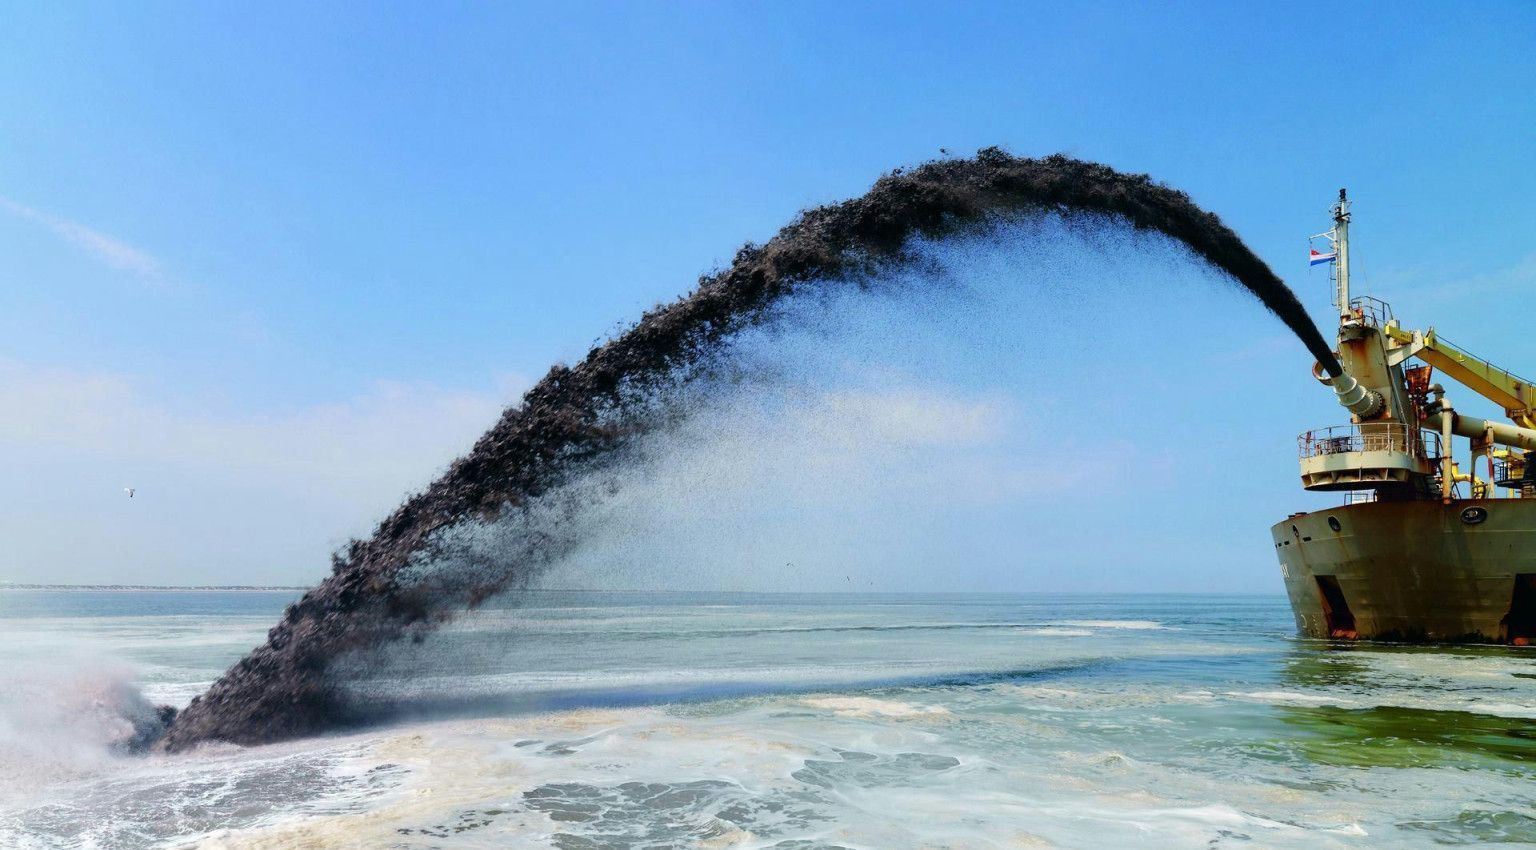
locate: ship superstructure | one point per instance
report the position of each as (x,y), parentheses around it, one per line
(1422,548)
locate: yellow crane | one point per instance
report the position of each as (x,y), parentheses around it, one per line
(1515,394)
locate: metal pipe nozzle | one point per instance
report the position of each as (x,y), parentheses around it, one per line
(1356,398)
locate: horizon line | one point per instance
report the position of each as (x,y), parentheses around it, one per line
(4,585)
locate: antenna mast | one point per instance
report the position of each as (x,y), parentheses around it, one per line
(1341,254)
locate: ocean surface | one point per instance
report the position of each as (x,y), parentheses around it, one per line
(798,722)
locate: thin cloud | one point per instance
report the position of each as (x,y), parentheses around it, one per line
(114,252)
(1440,285)
(222,497)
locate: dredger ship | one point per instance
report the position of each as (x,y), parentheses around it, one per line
(1422,548)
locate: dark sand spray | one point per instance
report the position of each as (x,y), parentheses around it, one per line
(382,590)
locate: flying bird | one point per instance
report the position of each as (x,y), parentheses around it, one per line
(129,491)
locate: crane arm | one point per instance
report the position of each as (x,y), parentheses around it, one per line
(1515,394)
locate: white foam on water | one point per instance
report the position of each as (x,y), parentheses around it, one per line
(1195,696)
(862,771)
(1133,625)
(869,707)
(1414,699)
(917,768)
(1288,698)
(654,779)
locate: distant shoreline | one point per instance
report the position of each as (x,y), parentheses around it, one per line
(153,587)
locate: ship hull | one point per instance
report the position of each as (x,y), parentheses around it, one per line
(1418,570)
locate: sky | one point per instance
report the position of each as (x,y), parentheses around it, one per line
(273,265)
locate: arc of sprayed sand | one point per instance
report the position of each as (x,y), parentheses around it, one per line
(280,689)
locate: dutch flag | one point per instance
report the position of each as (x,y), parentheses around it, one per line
(1319,257)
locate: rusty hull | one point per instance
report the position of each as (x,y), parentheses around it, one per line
(1412,571)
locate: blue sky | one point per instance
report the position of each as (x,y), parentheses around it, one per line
(357,230)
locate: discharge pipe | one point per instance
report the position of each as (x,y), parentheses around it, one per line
(1363,403)
(1482,429)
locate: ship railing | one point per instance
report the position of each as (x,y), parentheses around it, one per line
(1359,497)
(1511,474)
(1369,437)
(1372,311)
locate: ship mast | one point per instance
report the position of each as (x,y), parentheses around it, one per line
(1340,237)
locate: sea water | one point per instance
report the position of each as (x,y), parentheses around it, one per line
(652,720)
